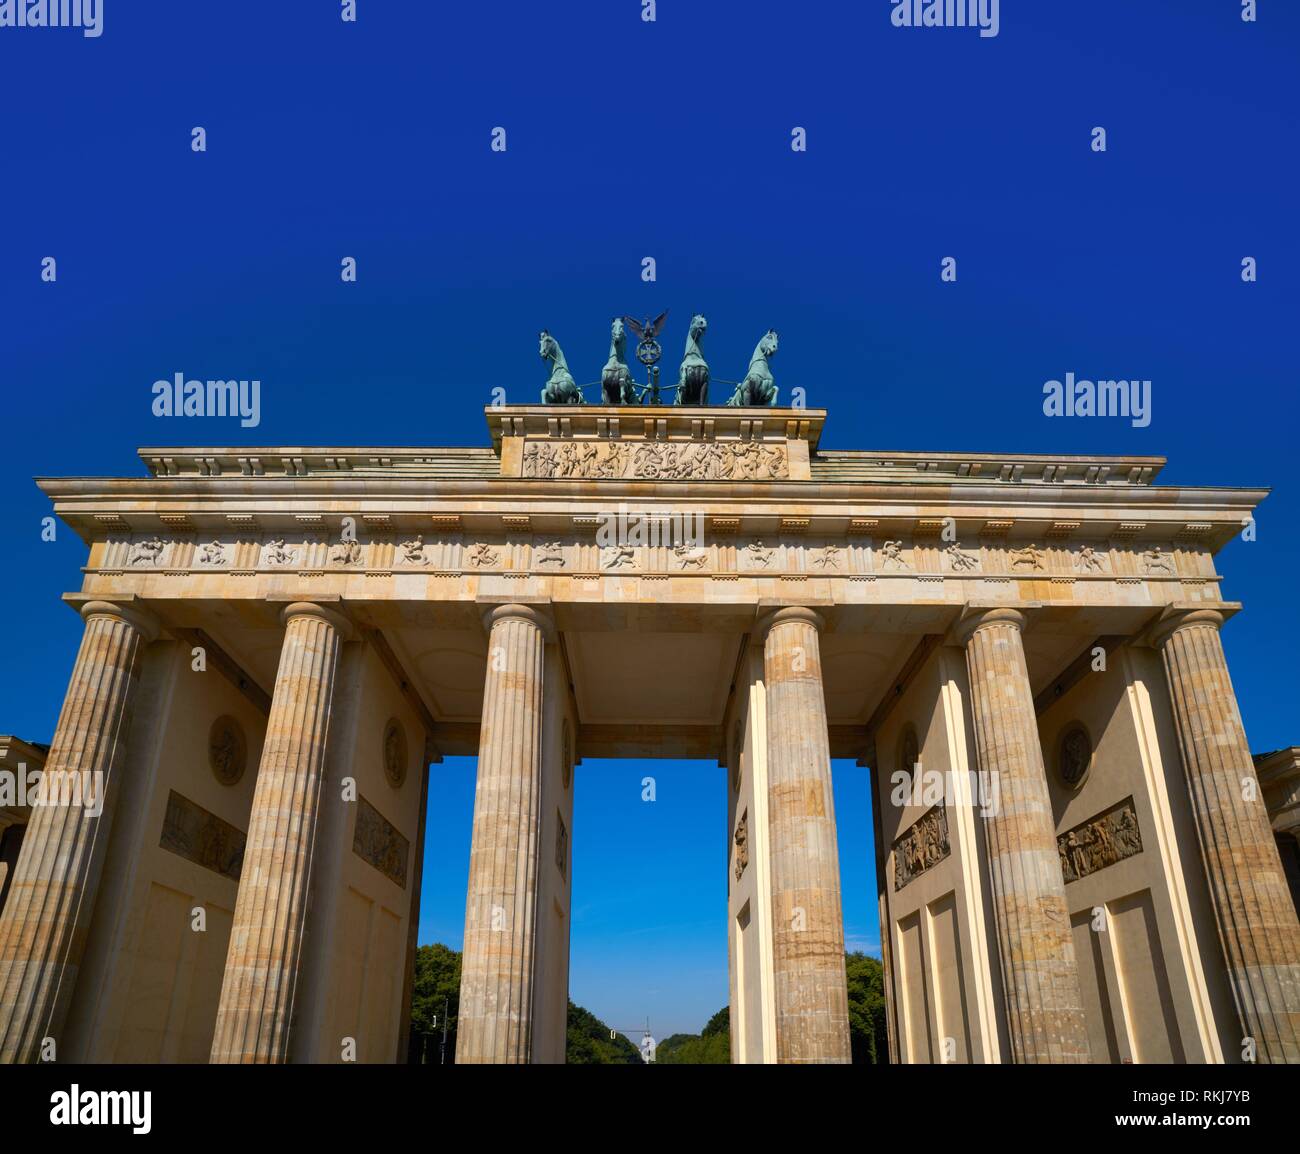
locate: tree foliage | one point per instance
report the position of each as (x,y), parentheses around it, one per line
(868,1034)
(588,1043)
(436,991)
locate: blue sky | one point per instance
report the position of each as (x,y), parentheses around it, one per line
(669,140)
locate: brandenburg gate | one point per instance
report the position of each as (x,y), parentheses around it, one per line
(1074,860)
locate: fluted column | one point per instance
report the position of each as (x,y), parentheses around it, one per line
(255,1013)
(1039,972)
(812,1009)
(1256,920)
(496,985)
(56,878)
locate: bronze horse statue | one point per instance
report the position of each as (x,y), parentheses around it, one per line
(758,387)
(561,389)
(616,378)
(693,383)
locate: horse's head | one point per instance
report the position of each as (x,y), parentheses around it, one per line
(546,348)
(617,334)
(767,346)
(699,326)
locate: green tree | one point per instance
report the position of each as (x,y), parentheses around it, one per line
(710,1047)
(868,1034)
(436,991)
(587,1042)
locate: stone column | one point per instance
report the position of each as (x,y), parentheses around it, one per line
(255,1013)
(56,878)
(1039,972)
(496,985)
(812,1007)
(1256,921)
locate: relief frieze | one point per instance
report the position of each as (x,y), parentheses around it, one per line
(667,461)
(377,841)
(922,847)
(1100,841)
(199,836)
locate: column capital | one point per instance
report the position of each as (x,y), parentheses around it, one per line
(976,617)
(139,618)
(536,615)
(1176,618)
(789,613)
(314,609)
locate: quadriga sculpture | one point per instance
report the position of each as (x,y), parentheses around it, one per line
(758,387)
(693,384)
(616,378)
(561,388)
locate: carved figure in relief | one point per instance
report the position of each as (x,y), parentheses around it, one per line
(891,553)
(1027,557)
(1157,560)
(413,550)
(759,554)
(481,554)
(828,558)
(1106,839)
(278,553)
(346,552)
(146,552)
(616,556)
(688,554)
(549,553)
(742,844)
(961,560)
(213,553)
(1088,560)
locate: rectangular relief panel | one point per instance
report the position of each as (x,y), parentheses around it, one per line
(378,842)
(923,846)
(197,835)
(1100,841)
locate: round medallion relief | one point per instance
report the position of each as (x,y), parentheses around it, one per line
(1075,758)
(566,754)
(395,753)
(227,750)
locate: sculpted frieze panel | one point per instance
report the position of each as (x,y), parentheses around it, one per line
(654,460)
(1100,841)
(377,841)
(922,847)
(786,554)
(197,835)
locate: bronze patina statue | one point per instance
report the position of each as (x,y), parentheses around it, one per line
(758,387)
(560,389)
(616,379)
(693,384)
